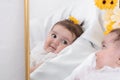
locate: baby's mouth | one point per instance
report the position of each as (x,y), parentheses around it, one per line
(52,48)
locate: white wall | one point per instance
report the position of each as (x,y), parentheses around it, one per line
(12,55)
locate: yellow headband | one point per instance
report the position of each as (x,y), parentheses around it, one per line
(75,21)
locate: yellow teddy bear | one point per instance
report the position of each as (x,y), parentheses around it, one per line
(112,14)
(106,4)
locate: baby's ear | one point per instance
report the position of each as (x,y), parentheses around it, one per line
(118,61)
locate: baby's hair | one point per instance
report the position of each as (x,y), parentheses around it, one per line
(73,28)
(117,38)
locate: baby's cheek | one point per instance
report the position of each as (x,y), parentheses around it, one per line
(59,48)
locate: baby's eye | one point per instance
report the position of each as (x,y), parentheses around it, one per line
(64,42)
(103,46)
(53,35)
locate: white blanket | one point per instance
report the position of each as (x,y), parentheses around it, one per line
(61,66)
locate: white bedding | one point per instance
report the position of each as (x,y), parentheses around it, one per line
(61,66)
(70,57)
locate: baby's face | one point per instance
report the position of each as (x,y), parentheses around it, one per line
(110,53)
(58,38)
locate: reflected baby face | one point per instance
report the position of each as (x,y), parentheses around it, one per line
(110,53)
(58,38)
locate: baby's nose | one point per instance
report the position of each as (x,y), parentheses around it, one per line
(56,42)
(97,54)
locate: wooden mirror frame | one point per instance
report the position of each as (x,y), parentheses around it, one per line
(26,41)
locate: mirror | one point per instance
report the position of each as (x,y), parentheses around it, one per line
(39,11)
(36,12)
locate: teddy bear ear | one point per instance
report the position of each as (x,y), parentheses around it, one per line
(106,4)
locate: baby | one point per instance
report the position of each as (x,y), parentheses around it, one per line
(101,65)
(62,34)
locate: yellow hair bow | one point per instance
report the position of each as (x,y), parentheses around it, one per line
(75,21)
(109,28)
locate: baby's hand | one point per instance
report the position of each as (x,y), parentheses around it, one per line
(35,67)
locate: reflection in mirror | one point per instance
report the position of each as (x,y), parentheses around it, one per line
(44,39)
(47,21)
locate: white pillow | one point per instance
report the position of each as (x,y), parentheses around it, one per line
(95,31)
(36,32)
